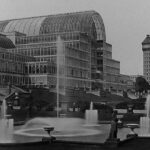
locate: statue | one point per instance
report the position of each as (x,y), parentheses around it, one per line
(114,114)
(112,140)
(130,109)
(113,129)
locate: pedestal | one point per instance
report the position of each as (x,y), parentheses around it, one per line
(112,142)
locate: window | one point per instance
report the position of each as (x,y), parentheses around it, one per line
(45,69)
(37,69)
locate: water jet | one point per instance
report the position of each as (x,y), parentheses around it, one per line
(6,125)
(91,116)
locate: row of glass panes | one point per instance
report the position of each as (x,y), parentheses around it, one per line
(52,70)
(146,71)
(13,57)
(46,50)
(84,46)
(39,51)
(93,53)
(112,70)
(47,38)
(146,52)
(73,45)
(146,61)
(47,58)
(113,63)
(72,83)
(37,80)
(84,37)
(146,58)
(72,72)
(77,54)
(11,67)
(112,78)
(36,68)
(76,46)
(13,79)
(108,55)
(146,66)
(77,63)
(69,71)
(34,45)
(52,51)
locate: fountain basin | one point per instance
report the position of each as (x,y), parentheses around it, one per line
(63,127)
(39,132)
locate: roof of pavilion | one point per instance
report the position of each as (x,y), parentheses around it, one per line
(5,42)
(89,22)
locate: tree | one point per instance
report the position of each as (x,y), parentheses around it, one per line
(141,85)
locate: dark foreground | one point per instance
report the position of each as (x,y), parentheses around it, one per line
(134,143)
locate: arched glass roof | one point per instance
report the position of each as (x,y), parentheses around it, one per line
(89,22)
(29,26)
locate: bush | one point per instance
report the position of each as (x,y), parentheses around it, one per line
(104,115)
(131,118)
(103,107)
(122,105)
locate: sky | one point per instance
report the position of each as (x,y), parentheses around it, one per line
(127,23)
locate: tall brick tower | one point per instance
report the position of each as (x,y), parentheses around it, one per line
(146,57)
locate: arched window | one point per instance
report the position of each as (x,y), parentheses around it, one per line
(41,68)
(30,69)
(45,69)
(33,69)
(37,69)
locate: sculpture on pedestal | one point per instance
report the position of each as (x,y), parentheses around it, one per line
(113,129)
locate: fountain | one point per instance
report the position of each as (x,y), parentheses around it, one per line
(6,125)
(145,121)
(63,127)
(60,77)
(91,116)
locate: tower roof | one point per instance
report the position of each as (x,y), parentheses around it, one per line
(146,40)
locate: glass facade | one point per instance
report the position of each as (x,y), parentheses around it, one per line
(12,68)
(88,58)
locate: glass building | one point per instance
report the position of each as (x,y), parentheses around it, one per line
(88,62)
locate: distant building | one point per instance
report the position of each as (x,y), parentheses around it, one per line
(146,58)
(126,82)
(133,77)
(28,52)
